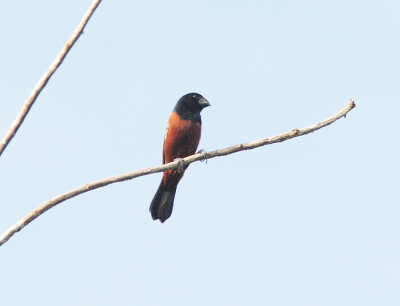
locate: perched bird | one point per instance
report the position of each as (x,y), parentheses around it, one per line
(181,140)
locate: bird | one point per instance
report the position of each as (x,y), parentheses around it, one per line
(181,139)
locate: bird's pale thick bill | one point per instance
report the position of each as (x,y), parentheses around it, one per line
(204,103)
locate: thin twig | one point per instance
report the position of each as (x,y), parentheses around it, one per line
(46,77)
(173,165)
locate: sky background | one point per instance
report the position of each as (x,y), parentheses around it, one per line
(311,221)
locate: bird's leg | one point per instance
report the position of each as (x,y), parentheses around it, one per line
(181,165)
(204,153)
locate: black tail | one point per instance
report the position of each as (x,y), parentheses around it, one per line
(163,201)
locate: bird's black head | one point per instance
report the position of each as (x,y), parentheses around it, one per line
(190,106)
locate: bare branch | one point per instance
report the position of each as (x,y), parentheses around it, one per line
(173,165)
(46,77)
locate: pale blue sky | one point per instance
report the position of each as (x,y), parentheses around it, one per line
(311,221)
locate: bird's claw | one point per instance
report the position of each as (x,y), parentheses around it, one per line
(181,165)
(205,155)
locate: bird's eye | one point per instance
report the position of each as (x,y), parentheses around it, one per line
(194,96)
